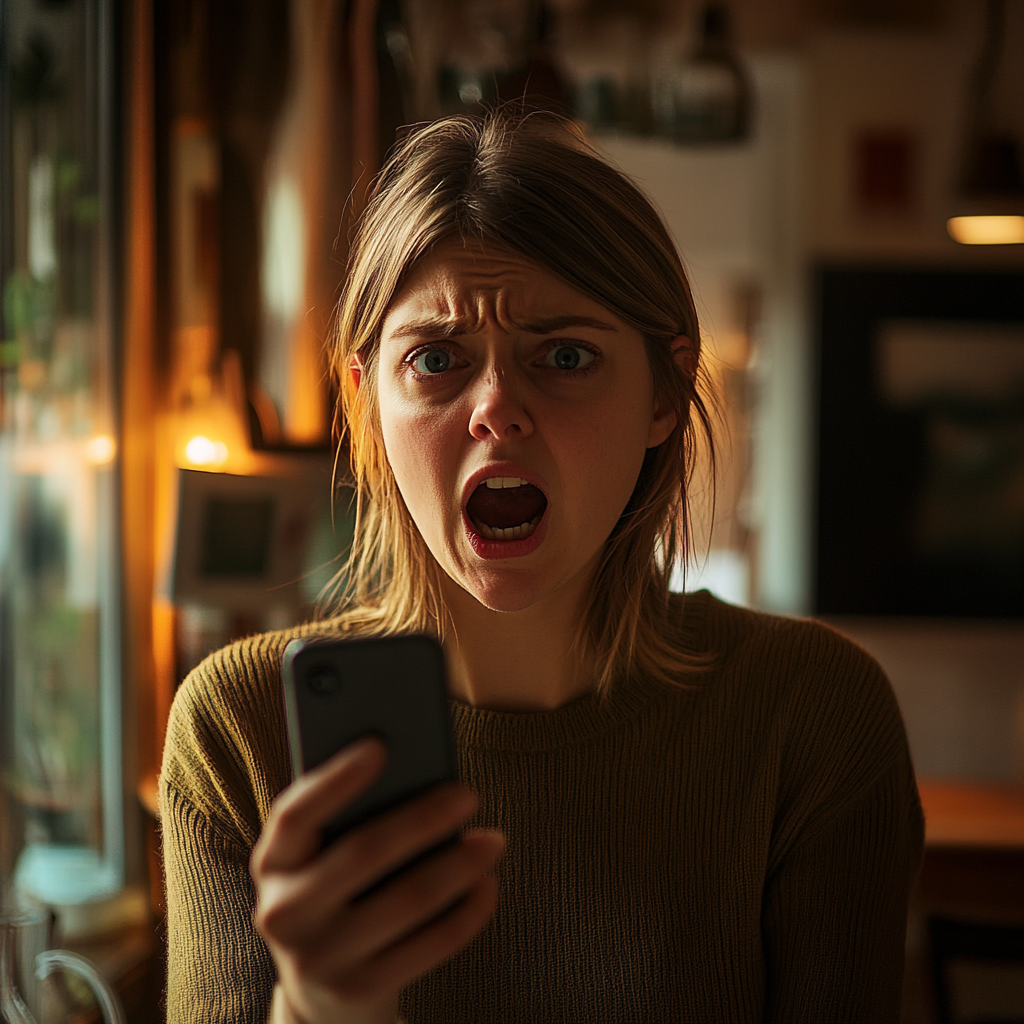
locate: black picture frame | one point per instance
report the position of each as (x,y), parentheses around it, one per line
(873,456)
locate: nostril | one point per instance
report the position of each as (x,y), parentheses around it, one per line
(498,416)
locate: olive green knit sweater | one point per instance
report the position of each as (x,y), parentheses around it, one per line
(738,850)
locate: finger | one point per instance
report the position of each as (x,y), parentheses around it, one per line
(282,914)
(418,896)
(424,949)
(369,852)
(310,898)
(293,833)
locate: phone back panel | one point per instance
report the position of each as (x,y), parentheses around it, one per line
(393,687)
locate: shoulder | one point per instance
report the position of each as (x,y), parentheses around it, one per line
(816,703)
(777,652)
(226,751)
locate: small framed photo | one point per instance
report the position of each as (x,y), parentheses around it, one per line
(240,542)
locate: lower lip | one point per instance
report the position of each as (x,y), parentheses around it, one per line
(495,549)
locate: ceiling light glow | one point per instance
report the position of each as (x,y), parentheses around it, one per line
(1006,230)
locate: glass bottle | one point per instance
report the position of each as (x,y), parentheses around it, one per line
(706,97)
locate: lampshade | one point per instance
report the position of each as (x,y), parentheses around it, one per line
(988,208)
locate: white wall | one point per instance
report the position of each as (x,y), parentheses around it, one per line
(915,82)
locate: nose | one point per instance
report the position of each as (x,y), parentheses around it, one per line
(498,410)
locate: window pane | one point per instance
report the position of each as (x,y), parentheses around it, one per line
(59,676)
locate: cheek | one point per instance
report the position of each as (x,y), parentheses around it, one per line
(422,450)
(602,453)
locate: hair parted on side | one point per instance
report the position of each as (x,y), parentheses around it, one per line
(528,184)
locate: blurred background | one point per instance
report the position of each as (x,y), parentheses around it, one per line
(177,185)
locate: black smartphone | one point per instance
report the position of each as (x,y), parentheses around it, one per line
(337,691)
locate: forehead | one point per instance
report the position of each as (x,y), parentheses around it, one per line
(458,282)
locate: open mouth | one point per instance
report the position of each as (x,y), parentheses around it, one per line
(506,508)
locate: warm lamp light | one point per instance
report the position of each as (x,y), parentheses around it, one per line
(201,451)
(990,192)
(100,450)
(211,430)
(988,230)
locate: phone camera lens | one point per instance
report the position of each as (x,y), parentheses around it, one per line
(324,680)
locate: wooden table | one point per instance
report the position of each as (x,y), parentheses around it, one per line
(974,847)
(960,814)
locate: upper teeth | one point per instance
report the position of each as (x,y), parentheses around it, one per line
(497,482)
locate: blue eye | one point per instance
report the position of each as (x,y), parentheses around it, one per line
(434,360)
(568,357)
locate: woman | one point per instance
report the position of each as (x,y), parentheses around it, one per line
(691,813)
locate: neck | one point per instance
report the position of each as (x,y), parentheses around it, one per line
(515,661)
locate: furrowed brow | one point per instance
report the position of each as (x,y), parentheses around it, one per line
(560,323)
(444,328)
(428,329)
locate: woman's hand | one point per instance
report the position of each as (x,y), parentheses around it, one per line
(341,961)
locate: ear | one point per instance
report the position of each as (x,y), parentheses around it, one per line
(355,369)
(684,354)
(665,419)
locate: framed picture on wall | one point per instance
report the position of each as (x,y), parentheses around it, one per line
(920,467)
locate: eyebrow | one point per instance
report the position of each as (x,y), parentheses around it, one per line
(444,328)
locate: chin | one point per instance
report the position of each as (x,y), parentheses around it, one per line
(505,598)
(512,584)
(503,592)
(504,603)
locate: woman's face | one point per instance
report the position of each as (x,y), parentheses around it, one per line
(515,415)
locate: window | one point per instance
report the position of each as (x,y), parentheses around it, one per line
(60,688)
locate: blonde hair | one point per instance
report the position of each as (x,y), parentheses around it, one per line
(525,184)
